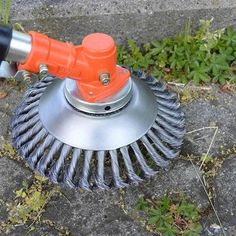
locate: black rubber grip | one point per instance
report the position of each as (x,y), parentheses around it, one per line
(5,40)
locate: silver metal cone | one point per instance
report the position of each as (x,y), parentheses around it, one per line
(84,150)
(104,132)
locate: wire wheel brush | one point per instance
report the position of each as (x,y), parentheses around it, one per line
(89,122)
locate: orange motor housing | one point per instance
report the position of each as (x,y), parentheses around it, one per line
(86,63)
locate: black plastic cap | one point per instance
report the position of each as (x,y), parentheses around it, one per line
(5,40)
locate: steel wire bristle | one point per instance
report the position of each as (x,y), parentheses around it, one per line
(99,177)
(133,177)
(70,172)
(62,163)
(84,181)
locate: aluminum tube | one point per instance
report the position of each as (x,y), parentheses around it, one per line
(20,47)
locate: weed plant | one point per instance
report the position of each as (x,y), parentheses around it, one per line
(203,57)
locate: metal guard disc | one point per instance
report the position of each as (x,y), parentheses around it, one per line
(103,132)
(52,137)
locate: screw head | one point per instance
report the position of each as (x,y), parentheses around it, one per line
(104,78)
(43,69)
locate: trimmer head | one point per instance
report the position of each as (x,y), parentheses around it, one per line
(78,148)
(99,127)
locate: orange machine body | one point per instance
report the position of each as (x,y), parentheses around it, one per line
(84,63)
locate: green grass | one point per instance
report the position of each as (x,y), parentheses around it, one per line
(171,216)
(203,57)
(4,11)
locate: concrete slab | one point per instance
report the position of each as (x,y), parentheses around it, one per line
(12,175)
(92,213)
(216,110)
(142,20)
(226,193)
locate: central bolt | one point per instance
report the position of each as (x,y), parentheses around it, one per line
(104,78)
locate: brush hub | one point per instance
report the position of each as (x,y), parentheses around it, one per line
(108,105)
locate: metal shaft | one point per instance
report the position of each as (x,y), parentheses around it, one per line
(20,47)
(14,46)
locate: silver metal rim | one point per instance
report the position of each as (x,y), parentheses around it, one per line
(106,106)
